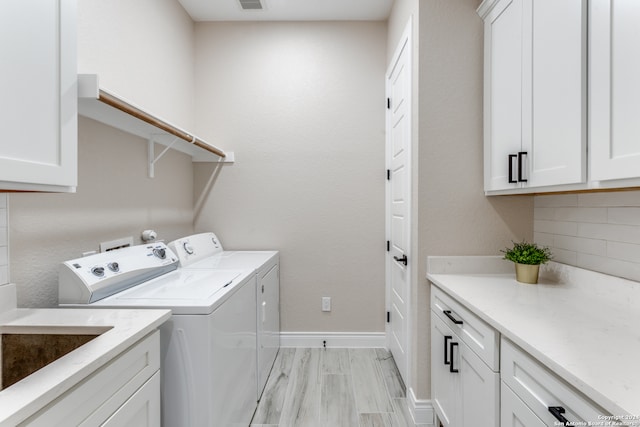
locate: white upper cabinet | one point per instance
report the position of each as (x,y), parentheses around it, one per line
(503,93)
(614,86)
(535,93)
(557,138)
(38,106)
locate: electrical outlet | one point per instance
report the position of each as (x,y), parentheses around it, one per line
(326,303)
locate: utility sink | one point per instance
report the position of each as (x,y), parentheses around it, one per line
(25,349)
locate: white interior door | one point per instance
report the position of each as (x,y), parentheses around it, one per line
(399,261)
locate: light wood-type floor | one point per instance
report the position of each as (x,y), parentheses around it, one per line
(333,388)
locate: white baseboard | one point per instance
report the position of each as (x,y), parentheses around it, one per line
(333,339)
(421,410)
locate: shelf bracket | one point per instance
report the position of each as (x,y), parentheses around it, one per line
(152,155)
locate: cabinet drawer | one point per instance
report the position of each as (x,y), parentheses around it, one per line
(540,389)
(101,394)
(476,333)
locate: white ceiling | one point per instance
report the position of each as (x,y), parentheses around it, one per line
(290,10)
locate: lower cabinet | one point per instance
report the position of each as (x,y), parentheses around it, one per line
(124,393)
(533,393)
(480,379)
(465,388)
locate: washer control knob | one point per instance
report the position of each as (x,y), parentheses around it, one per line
(160,253)
(113,266)
(188,248)
(98,271)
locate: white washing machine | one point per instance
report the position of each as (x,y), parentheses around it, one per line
(208,346)
(204,251)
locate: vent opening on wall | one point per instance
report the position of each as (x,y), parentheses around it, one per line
(251,4)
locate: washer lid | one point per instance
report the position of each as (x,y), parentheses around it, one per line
(242,260)
(186,285)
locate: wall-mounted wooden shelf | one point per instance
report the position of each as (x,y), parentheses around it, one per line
(113,110)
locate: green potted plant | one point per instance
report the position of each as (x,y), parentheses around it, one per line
(527,258)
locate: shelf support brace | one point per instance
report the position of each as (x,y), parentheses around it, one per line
(152,155)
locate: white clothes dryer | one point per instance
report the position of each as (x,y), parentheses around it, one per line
(204,251)
(208,347)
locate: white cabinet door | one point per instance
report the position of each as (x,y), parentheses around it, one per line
(480,389)
(503,94)
(614,89)
(535,93)
(142,409)
(444,383)
(464,388)
(554,91)
(38,106)
(514,413)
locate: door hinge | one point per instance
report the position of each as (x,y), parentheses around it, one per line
(388,103)
(388,317)
(388,246)
(388,174)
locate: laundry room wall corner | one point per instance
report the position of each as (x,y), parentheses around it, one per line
(302,106)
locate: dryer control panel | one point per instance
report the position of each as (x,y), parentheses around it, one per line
(88,279)
(194,248)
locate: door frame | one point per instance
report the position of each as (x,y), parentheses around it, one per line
(405,42)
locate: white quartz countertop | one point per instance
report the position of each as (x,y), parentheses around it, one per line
(582,325)
(123,329)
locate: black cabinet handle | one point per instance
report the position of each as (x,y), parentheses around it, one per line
(557,412)
(446,342)
(511,157)
(453,319)
(402,260)
(521,154)
(451,345)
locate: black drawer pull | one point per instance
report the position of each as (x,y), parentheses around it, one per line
(453,319)
(511,157)
(521,166)
(451,345)
(446,342)
(557,412)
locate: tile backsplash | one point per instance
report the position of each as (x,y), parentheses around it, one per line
(595,231)
(4,240)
